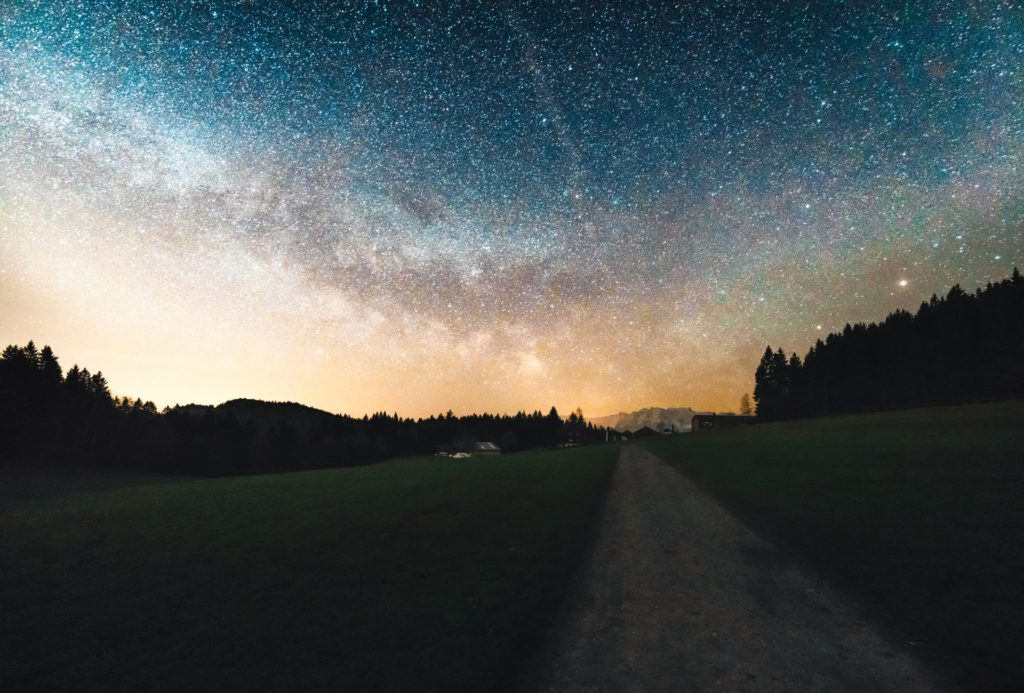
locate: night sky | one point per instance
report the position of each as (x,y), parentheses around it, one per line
(494,206)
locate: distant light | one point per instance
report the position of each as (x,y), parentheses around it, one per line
(903,282)
(817,327)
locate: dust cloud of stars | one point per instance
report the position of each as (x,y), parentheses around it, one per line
(493,206)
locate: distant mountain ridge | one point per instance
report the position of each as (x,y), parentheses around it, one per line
(658,418)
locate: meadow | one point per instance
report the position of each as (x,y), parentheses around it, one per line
(918,513)
(425,574)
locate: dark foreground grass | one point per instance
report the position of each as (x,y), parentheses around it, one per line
(919,513)
(422,574)
(20,482)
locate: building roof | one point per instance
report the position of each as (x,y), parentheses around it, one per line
(645,431)
(486,447)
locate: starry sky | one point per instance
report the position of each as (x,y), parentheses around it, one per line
(493,206)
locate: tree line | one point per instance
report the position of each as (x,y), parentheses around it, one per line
(956,348)
(72,418)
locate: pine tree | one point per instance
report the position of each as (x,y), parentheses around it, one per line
(73,380)
(31,354)
(50,367)
(764,386)
(745,407)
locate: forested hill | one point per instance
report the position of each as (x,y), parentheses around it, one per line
(261,412)
(956,348)
(72,418)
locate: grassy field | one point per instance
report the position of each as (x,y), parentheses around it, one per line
(920,513)
(27,482)
(419,574)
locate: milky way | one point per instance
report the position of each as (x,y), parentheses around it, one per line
(493,206)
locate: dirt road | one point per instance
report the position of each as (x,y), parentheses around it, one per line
(678,595)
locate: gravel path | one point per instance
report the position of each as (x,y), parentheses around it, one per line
(679,595)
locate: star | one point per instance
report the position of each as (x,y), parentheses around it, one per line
(366,206)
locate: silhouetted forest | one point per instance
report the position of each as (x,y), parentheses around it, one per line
(956,348)
(73,418)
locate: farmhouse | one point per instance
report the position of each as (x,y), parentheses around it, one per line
(645,432)
(710,422)
(486,449)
